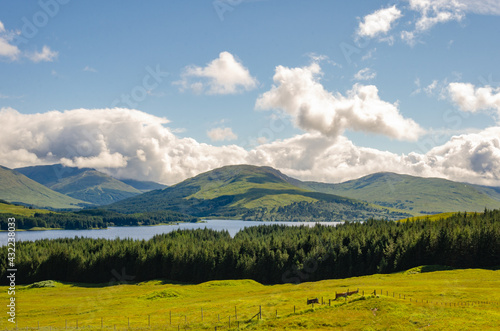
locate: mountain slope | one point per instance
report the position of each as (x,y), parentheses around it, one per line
(15,187)
(143,186)
(413,194)
(249,192)
(85,184)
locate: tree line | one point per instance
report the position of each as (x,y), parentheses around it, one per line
(321,211)
(268,254)
(93,219)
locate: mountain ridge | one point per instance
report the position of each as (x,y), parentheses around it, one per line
(85,184)
(248,192)
(17,188)
(424,195)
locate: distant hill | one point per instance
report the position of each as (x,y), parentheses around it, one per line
(84,184)
(15,187)
(416,195)
(251,192)
(143,186)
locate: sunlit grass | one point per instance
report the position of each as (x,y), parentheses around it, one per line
(19,210)
(439,300)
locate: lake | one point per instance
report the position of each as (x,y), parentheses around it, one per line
(146,232)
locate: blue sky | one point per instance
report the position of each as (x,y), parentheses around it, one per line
(323,90)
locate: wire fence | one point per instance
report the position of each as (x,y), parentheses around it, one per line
(210,319)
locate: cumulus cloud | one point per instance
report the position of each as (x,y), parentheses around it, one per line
(365,74)
(470,98)
(132,144)
(473,158)
(379,22)
(123,142)
(221,134)
(224,75)
(46,55)
(298,92)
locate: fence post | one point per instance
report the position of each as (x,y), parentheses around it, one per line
(235,313)
(77,323)
(329,302)
(294,309)
(218,317)
(149,320)
(202,314)
(229,321)
(260,312)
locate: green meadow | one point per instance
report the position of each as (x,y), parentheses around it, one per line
(427,297)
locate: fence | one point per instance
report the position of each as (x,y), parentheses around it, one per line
(210,319)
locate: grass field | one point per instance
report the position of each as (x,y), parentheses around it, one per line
(20,210)
(416,299)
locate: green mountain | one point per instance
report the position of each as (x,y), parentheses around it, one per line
(251,192)
(143,186)
(17,188)
(416,195)
(84,184)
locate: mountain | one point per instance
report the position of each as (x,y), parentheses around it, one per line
(416,195)
(15,187)
(143,186)
(251,192)
(84,184)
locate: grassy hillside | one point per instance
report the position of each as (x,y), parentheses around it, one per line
(15,187)
(413,194)
(420,298)
(84,184)
(236,191)
(7,208)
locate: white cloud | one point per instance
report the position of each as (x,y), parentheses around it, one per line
(224,75)
(132,144)
(46,55)
(379,22)
(109,139)
(221,134)
(429,13)
(470,98)
(473,158)
(299,93)
(365,74)
(433,12)
(7,50)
